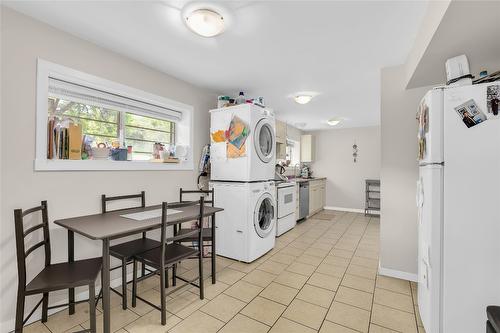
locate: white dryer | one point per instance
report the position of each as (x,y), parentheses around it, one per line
(259,158)
(246,229)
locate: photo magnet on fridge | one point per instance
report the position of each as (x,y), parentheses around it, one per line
(493,99)
(470,113)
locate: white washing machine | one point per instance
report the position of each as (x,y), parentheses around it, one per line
(246,229)
(259,157)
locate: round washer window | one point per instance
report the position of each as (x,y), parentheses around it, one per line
(264,140)
(264,216)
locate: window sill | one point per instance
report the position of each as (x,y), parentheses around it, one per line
(108,165)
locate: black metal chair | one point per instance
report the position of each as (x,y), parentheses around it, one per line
(493,322)
(125,251)
(168,255)
(53,277)
(206,232)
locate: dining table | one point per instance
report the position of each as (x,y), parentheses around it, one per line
(113,225)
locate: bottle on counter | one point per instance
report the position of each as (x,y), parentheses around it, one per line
(240,99)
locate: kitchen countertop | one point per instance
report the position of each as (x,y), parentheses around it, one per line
(302,180)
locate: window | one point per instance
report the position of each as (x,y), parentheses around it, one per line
(293,151)
(143,132)
(102,125)
(105,112)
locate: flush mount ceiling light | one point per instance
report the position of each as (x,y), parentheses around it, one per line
(205,22)
(303,99)
(333,121)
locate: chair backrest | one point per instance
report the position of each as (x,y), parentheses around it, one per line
(210,194)
(199,218)
(21,234)
(105,199)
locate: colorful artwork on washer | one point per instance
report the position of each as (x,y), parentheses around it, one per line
(219,136)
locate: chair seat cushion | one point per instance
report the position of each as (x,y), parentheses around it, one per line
(173,253)
(493,313)
(206,234)
(65,275)
(128,250)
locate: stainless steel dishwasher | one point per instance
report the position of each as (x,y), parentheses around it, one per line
(304,199)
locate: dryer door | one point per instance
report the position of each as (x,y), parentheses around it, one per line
(264,216)
(265,140)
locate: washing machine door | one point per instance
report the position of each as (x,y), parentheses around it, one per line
(264,215)
(265,140)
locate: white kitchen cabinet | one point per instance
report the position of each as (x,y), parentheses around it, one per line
(306,148)
(317,195)
(280,151)
(280,132)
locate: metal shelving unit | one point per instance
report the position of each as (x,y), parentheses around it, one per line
(372,197)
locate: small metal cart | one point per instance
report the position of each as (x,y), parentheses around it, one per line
(372,197)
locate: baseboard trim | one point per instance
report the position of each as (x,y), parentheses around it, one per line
(397,274)
(344,209)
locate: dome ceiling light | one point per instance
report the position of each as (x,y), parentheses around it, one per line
(303,99)
(205,22)
(333,121)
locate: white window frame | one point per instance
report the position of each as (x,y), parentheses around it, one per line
(183,128)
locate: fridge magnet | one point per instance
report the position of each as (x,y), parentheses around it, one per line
(493,99)
(470,113)
(423,128)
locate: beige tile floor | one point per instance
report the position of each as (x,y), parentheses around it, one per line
(321,277)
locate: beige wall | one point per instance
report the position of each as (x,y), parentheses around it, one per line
(70,193)
(399,173)
(293,133)
(333,159)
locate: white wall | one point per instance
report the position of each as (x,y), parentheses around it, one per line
(345,186)
(70,193)
(399,173)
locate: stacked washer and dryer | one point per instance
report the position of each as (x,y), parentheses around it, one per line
(244,185)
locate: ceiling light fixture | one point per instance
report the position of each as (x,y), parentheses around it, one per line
(205,22)
(303,99)
(333,121)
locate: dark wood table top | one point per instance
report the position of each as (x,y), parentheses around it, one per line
(111,225)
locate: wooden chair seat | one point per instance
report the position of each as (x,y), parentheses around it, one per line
(493,313)
(206,234)
(173,254)
(128,249)
(65,275)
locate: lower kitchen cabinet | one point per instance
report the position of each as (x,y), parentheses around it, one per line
(297,201)
(317,195)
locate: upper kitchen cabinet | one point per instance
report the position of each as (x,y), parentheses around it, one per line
(306,148)
(280,132)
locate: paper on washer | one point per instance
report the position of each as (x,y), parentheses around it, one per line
(149,214)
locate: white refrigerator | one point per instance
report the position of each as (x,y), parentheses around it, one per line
(458,199)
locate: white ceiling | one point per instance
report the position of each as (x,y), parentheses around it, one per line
(270,48)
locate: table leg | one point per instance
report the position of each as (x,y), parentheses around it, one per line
(213,250)
(71,258)
(105,286)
